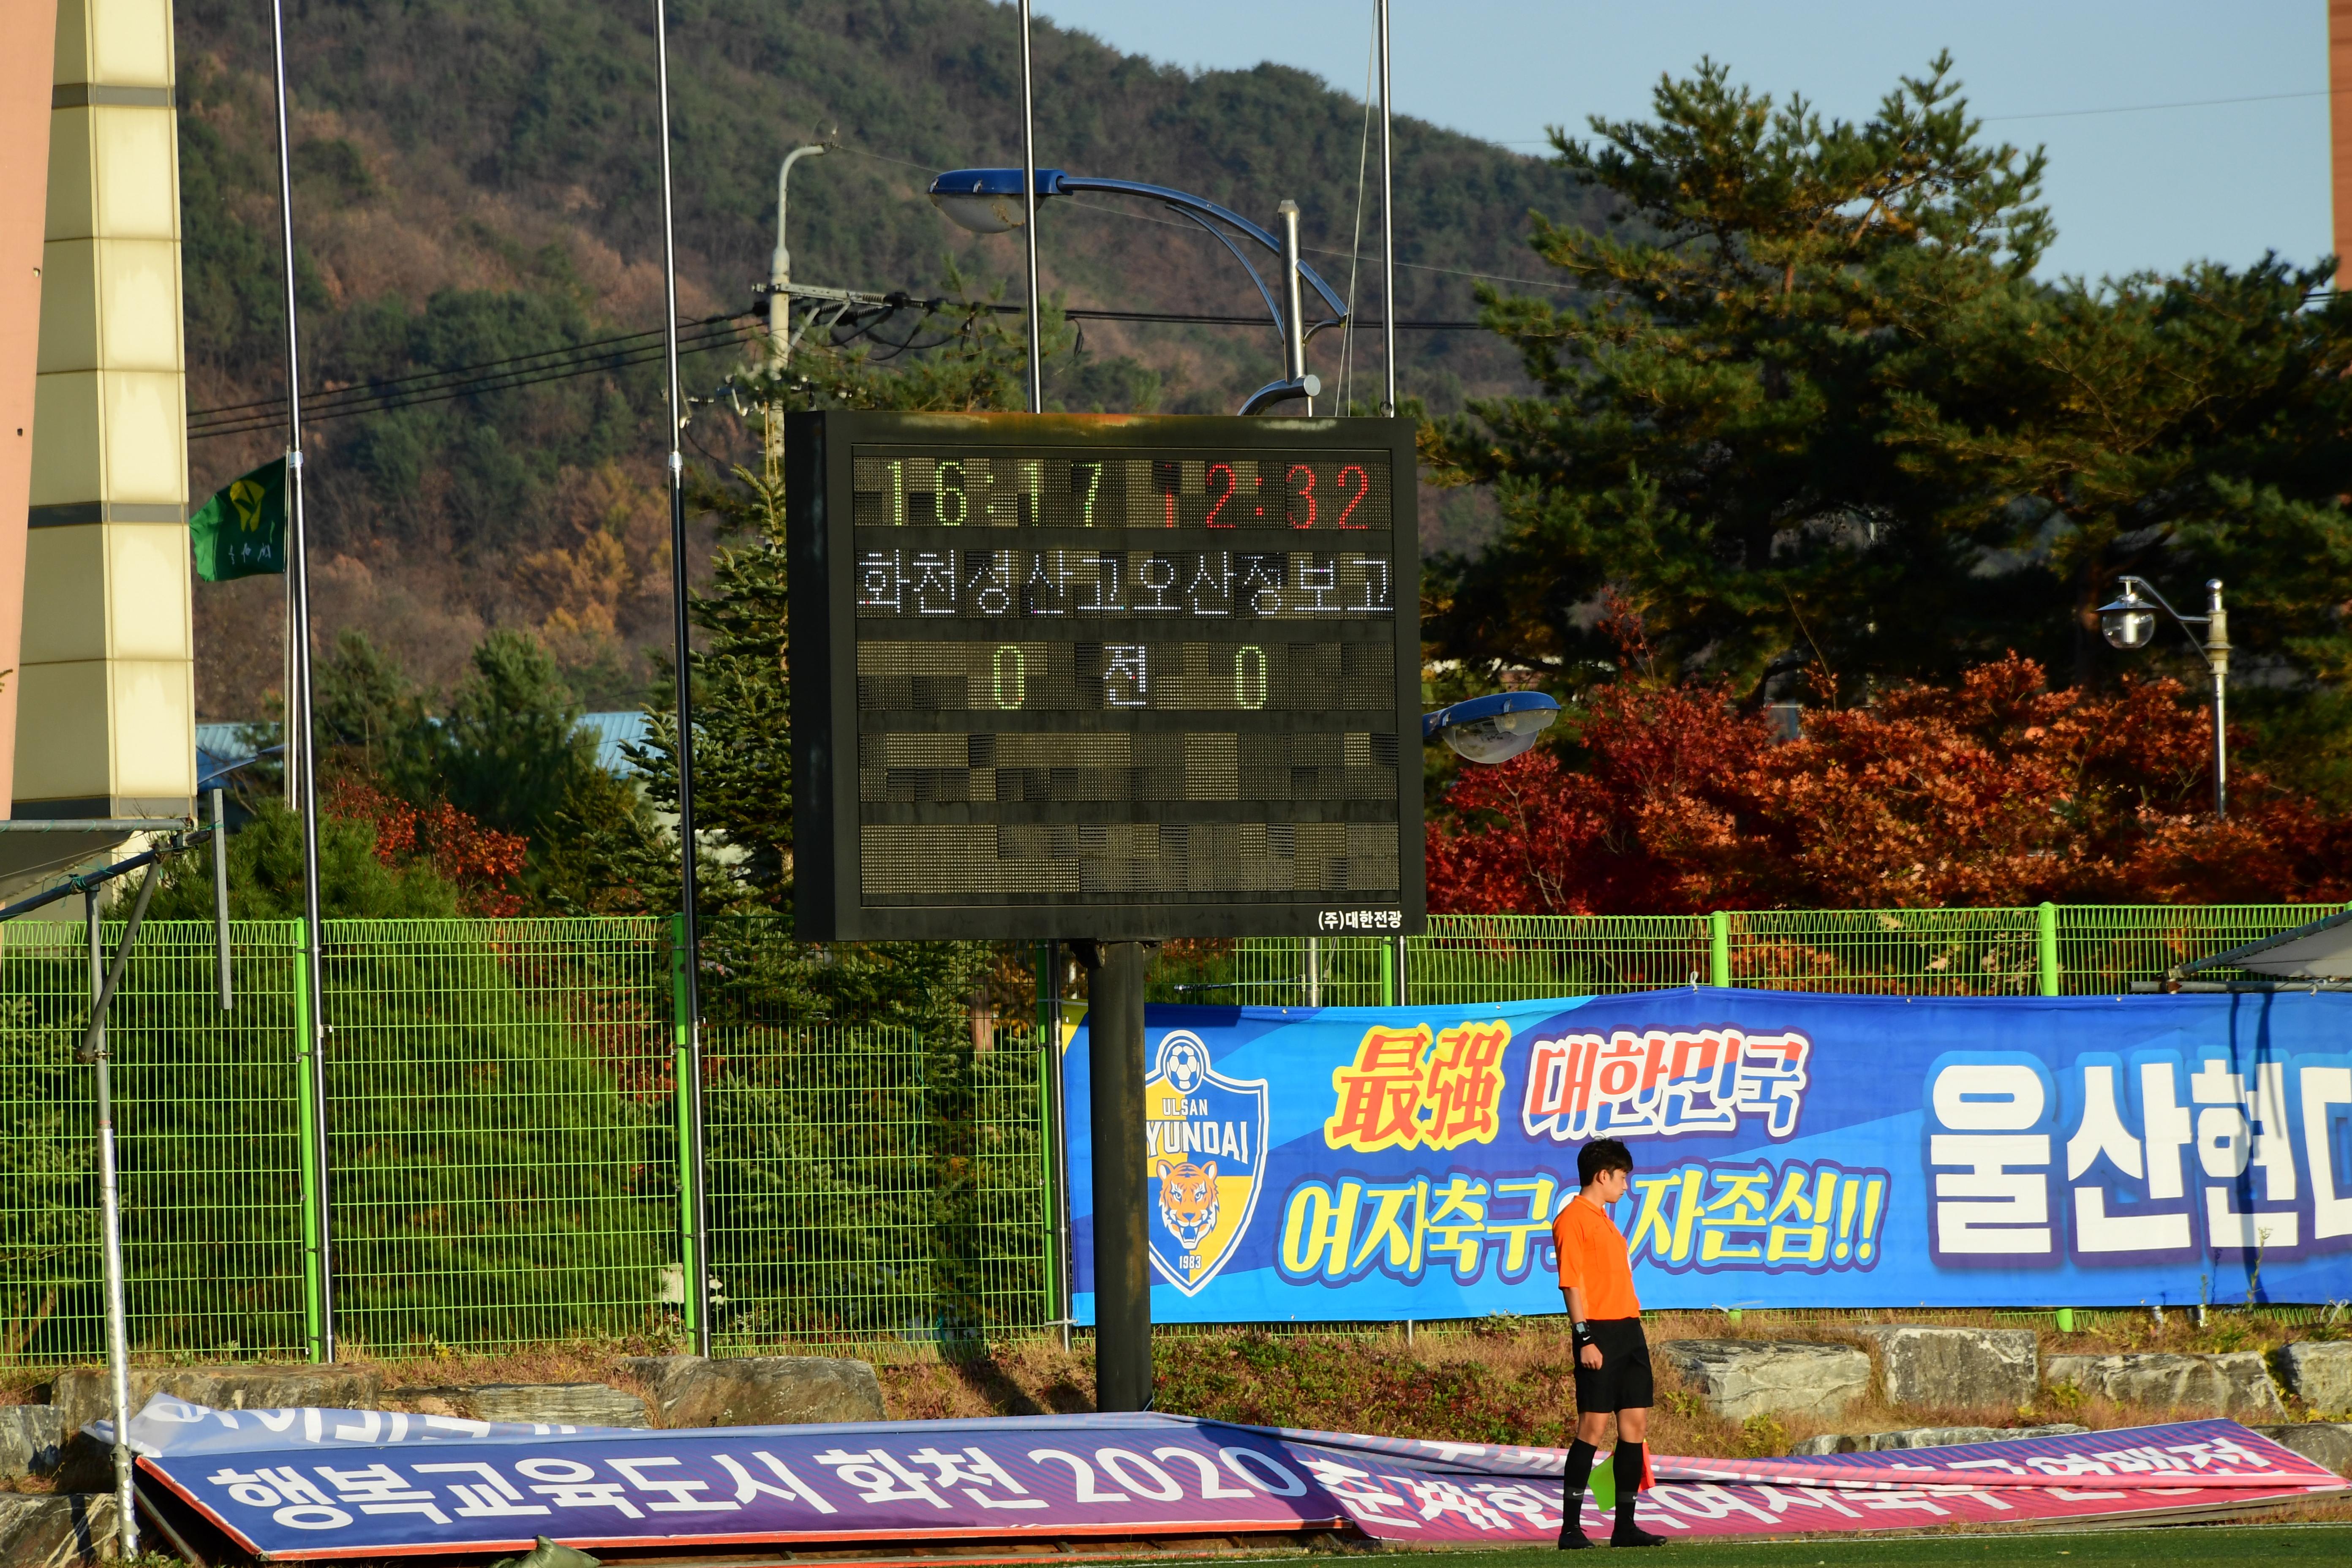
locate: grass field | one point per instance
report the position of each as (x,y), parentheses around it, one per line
(2180,1546)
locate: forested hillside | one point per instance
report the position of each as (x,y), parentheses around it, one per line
(477,182)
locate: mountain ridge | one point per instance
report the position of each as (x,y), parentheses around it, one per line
(479,181)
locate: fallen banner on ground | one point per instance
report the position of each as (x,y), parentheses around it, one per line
(1392,1163)
(290,1485)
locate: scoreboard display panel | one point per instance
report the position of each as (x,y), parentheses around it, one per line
(1110,676)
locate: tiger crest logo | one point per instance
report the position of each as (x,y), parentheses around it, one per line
(1188,1201)
(1204,1136)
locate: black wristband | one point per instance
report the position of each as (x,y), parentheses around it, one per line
(1579,1335)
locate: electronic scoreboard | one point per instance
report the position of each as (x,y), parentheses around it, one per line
(1108,677)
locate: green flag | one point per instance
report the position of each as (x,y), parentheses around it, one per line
(241,531)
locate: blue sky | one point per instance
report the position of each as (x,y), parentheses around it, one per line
(2150,188)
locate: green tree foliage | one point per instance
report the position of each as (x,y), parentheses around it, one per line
(511,750)
(264,875)
(1816,412)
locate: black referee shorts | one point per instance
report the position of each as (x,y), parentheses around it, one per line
(1621,1381)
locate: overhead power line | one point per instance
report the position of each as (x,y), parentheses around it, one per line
(628,349)
(474,369)
(465,381)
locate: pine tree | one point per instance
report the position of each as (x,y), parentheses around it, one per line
(1813,411)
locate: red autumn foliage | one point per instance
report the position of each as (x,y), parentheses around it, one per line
(479,861)
(1998,792)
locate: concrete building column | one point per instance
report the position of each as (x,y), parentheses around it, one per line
(106,702)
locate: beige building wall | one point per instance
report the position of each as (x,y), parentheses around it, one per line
(106,716)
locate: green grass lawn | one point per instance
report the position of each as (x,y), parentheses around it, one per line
(2178,1546)
(2182,1546)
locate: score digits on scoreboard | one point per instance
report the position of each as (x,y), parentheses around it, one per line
(1061,676)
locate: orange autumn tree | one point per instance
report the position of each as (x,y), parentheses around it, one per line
(1996,792)
(480,862)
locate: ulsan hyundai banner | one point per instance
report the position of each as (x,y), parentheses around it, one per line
(1791,1149)
(296,1485)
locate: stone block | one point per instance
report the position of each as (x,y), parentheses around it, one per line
(1925,1437)
(2235,1383)
(553,1404)
(2320,1374)
(30,1437)
(84,1395)
(2326,1442)
(57,1530)
(1740,1378)
(1943,1367)
(757,1391)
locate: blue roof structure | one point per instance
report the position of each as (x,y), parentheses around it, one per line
(219,750)
(613,730)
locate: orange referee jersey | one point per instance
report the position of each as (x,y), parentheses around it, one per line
(1592,1258)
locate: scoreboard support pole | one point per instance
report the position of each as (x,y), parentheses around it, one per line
(1115,982)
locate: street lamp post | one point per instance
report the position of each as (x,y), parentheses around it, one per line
(2128,623)
(779,314)
(993,201)
(780,266)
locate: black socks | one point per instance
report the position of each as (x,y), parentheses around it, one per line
(1578,1477)
(1627,1464)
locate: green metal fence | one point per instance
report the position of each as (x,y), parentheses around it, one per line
(2051,949)
(209,1145)
(501,1144)
(504,1153)
(504,1131)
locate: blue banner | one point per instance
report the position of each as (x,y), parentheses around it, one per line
(308,1484)
(1791,1149)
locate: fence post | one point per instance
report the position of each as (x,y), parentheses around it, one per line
(1048,1231)
(2045,931)
(308,1117)
(693,1271)
(1388,972)
(1718,949)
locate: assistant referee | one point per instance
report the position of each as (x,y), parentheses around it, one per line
(1612,1359)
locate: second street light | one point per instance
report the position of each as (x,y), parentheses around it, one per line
(989,201)
(2128,623)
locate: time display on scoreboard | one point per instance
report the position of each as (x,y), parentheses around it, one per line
(1066,676)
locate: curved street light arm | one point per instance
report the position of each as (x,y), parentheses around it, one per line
(2144,585)
(1227,240)
(1195,205)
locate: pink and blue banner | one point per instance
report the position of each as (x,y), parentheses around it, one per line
(1795,1150)
(295,1485)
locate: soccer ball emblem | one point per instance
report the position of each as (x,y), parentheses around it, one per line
(1186,1066)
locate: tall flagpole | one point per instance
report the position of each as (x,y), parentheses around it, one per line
(1387,224)
(698,1201)
(297,751)
(1029,217)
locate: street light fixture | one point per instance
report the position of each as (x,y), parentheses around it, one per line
(1492,729)
(2128,623)
(779,266)
(989,200)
